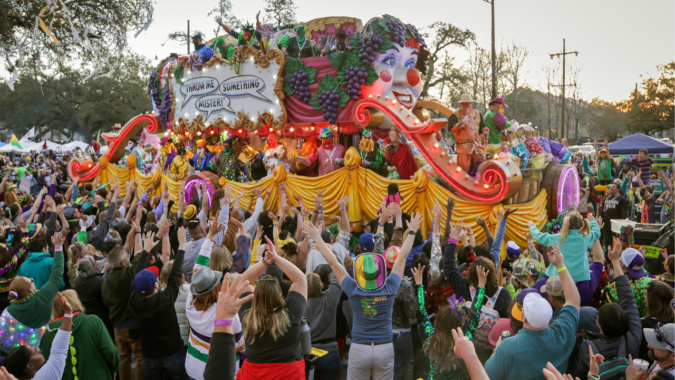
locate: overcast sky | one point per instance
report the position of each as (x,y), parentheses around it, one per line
(618,40)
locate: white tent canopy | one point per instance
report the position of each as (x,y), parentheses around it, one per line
(38,146)
(75,144)
(11,148)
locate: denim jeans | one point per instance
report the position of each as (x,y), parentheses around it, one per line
(328,367)
(402,354)
(171,368)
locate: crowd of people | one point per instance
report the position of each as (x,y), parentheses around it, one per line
(96,285)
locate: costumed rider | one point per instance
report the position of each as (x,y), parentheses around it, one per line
(226,163)
(179,166)
(330,156)
(275,155)
(201,159)
(298,46)
(135,149)
(340,42)
(246,37)
(496,121)
(400,155)
(167,154)
(203,51)
(465,124)
(372,157)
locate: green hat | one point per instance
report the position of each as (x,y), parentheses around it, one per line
(326,133)
(370,271)
(33,230)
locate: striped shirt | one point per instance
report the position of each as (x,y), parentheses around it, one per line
(201,325)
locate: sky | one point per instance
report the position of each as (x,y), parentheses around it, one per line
(618,41)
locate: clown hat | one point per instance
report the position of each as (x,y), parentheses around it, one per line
(326,133)
(527,271)
(390,255)
(147,146)
(370,271)
(601,188)
(367,133)
(33,230)
(24,199)
(165,140)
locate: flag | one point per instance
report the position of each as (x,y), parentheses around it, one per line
(15,142)
(28,135)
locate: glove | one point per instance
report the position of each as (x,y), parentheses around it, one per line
(219,20)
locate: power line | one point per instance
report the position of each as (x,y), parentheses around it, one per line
(563,85)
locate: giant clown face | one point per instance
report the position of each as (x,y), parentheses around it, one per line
(398,78)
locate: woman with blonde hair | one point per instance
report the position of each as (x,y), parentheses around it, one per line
(576,237)
(321,313)
(92,352)
(271,323)
(221,259)
(76,252)
(200,308)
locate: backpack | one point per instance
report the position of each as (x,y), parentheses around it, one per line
(614,368)
(488,317)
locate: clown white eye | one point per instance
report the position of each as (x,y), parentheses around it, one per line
(389,61)
(410,63)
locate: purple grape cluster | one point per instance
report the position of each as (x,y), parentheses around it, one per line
(329,100)
(300,84)
(369,48)
(397,31)
(417,35)
(356,77)
(555,229)
(151,82)
(165,108)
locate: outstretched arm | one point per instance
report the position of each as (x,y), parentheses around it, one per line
(327,253)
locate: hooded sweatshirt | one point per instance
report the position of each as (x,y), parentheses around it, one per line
(96,356)
(156,315)
(38,266)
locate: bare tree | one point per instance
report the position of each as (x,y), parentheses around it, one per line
(448,76)
(445,35)
(515,56)
(477,69)
(224,11)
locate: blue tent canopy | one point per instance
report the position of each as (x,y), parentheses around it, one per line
(2,144)
(633,143)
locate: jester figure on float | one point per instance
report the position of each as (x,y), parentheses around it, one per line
(399,58)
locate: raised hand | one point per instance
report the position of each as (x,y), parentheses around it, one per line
(463,346)
(555,257)
(614,254)
(164,228)
(343,202)
(181,237)
(418,274)
(214,229)
(258,232)
(449,206)
(598,219)
(633,373)
(58,239)
(415,221)
(595,359)
(457,230)
(481,222)
(509,212)
(311,231)
(149,242)
(482,276)
(229,303)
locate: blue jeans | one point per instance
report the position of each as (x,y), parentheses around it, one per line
(328,367)
(171,368)
(402,353)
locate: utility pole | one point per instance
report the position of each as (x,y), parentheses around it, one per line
(188,38)
(494,51)
(564,133)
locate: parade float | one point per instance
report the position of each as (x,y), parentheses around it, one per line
(329,105)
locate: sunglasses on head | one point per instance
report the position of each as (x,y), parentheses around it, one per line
(660,336)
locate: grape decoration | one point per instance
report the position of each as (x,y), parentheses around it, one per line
(151,82)
(417,35)
(329,100)
(299,82)
(370,47)
(397,31)
(356,77)
(165,108)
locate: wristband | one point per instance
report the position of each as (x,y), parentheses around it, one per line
(67,315)
(223,322)
(381,224)
(165,235)
(453,241)
(412,232)
(58,248)
(343,208)
(562,269)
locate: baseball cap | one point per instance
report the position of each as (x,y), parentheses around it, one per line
(553,287)
(145,281)
(512,249)
(366,242)
(634,262)
(517,309)
(661,337)
(118,223)
(537,311)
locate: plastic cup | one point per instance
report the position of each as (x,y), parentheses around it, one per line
(640,364)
